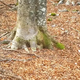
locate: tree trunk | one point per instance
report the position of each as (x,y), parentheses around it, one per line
(31,29)
(31,26)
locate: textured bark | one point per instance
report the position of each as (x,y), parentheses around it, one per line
(26,26)
(31,25)
(41,14)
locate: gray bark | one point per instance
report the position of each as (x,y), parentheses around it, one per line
(26,26)
(31,15)
(41,13)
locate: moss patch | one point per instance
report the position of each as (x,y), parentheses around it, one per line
(53,14)
(42,38)
(50,19)
(19,40)
(60,45)
(46,41)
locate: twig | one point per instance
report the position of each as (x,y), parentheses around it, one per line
(9,49)
(7,73)
(6,4)
(75,29)
(1,7)
(52,2)
(11,59)
(13,76)
(4,34)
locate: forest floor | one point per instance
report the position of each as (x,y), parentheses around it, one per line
(44,64)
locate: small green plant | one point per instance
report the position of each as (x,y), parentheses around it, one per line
(50,19)
(59,45)
(16,3)
(5,42)
(53,14)
(75,10)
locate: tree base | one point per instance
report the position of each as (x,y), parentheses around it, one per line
(40,41)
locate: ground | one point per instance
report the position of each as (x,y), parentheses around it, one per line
(44,64)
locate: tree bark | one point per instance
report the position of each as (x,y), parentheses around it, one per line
(31,29)
(31,26)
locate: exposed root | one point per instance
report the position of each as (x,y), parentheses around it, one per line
(4,34)
(25,48)
(33,44)
(41,40)
(11,37)
(14,46)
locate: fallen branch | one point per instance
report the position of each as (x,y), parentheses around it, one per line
(11,59)
(12,76)
(13,8)
(4,34)
(75,29)
(6,4)
(5,74)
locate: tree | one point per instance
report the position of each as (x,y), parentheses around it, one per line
(31,29)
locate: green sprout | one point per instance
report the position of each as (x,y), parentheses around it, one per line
(60,45)
(75,10)
(50,19)
(53,14)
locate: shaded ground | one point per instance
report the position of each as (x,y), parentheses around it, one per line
(44,64)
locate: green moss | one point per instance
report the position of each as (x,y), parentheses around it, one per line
(46,41)
(75,10)
(5,42)
(50,19)
(43,39)
(19,40)
(39,37)
(53,14)
(59,45)
(16,3)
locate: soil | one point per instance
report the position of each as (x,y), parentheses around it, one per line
(44,64)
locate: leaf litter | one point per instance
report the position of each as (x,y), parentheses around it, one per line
(44,64)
